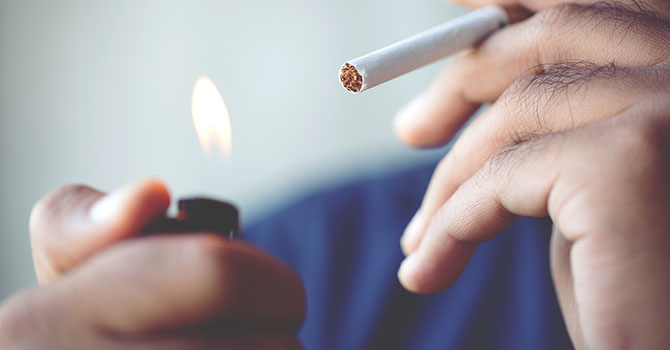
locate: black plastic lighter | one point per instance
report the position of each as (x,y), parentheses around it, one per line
(199,214)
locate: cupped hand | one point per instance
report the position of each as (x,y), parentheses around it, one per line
(107,288)
(578,131)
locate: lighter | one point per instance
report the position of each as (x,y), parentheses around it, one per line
(199,214)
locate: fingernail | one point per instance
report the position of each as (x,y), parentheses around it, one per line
(409,237)
(108,207)
(410,113)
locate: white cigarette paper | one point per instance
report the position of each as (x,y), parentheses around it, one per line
(421,49)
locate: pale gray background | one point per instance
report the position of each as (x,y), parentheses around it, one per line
(99,92)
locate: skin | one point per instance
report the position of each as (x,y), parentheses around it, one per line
(578,130)
(104,287)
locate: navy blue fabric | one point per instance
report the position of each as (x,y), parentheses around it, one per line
(344,244)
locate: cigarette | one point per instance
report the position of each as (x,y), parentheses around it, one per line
(421,49)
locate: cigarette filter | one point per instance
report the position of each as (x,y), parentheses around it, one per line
(421,49)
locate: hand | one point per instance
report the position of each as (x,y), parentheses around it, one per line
(538,5)
(578,131)
(106,291)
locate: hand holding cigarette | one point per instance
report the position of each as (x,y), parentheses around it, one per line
(120,290)
(577,131)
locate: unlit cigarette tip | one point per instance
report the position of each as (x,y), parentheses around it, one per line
(350,78)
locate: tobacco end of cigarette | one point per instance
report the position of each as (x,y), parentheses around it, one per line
(350,78)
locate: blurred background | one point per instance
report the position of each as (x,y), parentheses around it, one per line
(98,92)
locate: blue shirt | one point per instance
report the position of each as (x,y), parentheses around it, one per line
(344,244)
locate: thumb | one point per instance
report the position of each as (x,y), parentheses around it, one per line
(73,222)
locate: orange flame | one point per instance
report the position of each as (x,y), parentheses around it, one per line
(210,116)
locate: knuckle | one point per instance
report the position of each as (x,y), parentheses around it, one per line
(504,163)
(552,24)
(51,254)
(549,24)
(497,169)
(517,94)
(54,204)
(611,21)
(530,101)
(558,15)
(520,106)
(495,164)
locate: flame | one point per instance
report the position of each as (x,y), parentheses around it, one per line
(210,117)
